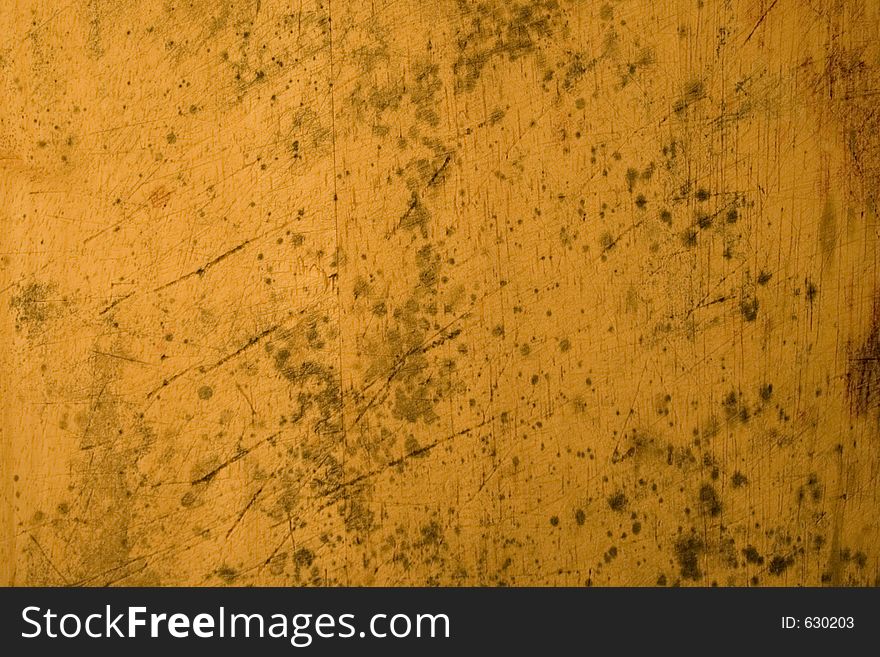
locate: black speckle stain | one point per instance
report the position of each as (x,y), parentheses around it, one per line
(227,573)
(303,557)
(811,290)
(863,372)
(751,555)
(687,553)
(34,306)
(779,564)
(749,308)
(710,503)
(694,91)
(618,501)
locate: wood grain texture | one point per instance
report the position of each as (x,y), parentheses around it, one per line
(448,293)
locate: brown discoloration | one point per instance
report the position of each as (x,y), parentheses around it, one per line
(863,371)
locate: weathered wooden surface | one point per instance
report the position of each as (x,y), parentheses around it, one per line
(440,293)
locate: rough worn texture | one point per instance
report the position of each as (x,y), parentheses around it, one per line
(454,293)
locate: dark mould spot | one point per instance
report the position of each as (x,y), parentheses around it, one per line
(206,392)
(764,277)
(730,403)
(811,290)
(687,553)
(752,556)
(710,503)
(607,241)
(779,564)
(704,220)
(33,305)
(227,573)
(554,520)
(303,557)
(689,237)
(632,175)
(693,92)
(432,534)
(749,308)
(738,480)
(618,501)
(863,371)
(580,517)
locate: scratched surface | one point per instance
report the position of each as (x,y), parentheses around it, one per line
(444,293)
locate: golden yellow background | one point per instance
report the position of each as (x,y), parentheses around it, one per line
(445,293)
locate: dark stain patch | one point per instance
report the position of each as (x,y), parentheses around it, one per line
(631,175)
(694,91)
(227,573)
(812,490)
(752,556)
(689,237)
(811,290)
(303,557)
(703,220)
(317,385)
(618,501)
(863,371)
(416,216)
(205,392)
(432,534)
(580,517)
(735,408)
(738,480)
(710,503)
(607,241)
(357,516)
(34,306)
(500,30)
(577,66)
(688,550)
(779,564)
(749,307)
